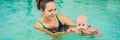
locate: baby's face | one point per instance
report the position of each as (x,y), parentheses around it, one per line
(82,22)
(82,26)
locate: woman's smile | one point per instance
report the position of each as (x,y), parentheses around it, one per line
(52,16)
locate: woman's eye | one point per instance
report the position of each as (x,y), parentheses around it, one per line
(50,10)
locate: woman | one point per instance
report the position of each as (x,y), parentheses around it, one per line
(50,22)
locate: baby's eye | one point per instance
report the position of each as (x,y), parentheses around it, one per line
(83,25)
(78,24)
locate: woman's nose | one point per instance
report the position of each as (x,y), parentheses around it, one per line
(53,12)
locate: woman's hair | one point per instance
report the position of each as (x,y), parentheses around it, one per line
(41,4)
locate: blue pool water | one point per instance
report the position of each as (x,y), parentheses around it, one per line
(17,18)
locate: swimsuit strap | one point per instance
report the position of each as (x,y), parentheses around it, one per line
(42,24)
(58,20)
(59,23)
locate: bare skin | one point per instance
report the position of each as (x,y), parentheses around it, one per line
(50,21)
(90,30)
(83,27)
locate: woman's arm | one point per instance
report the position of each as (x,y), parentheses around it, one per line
(39,27)
(53,34)
(65,20)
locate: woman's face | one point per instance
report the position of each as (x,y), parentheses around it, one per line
(50,10)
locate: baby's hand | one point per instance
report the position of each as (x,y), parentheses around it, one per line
(69,30)
(78,31)
(98,32)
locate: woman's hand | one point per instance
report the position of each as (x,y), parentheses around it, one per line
(69,30)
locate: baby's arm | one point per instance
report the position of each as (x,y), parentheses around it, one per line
(78,31)
(98,32)
(74,30)
(70,30)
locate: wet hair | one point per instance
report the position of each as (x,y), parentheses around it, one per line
(41,4)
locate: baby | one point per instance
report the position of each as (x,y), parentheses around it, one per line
(83,28)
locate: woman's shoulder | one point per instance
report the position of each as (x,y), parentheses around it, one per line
(38,26)
(65,20)
(61,15)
